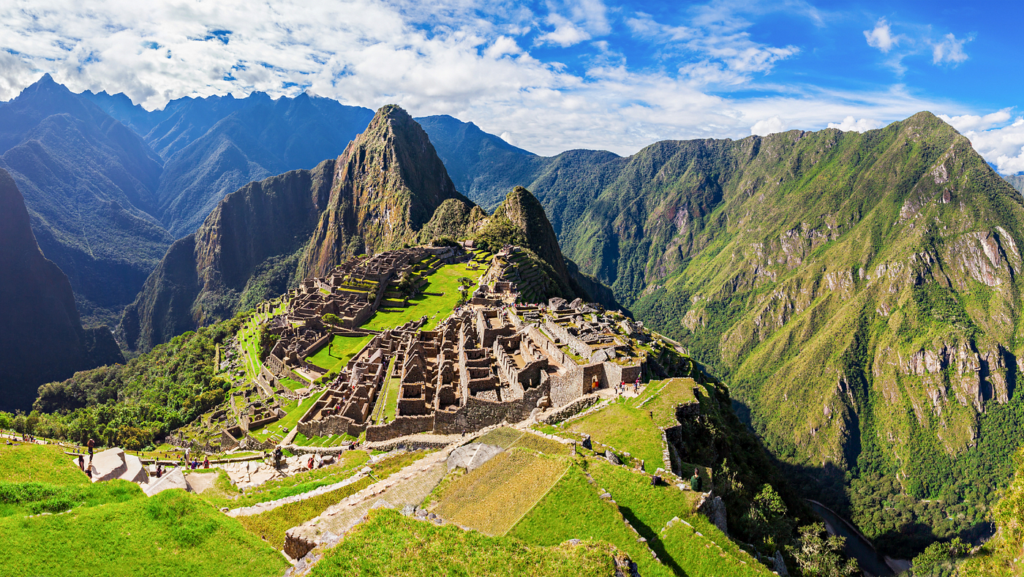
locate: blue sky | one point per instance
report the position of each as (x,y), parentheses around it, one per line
(554,75)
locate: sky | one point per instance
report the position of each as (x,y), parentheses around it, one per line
(552,75)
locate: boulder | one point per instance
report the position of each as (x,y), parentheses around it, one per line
(611,457)
(136,472)
(175,479)
(780,565)
(713,508)
(471,456)
(109,464)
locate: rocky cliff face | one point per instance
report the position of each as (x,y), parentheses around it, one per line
(1016,181)
(246,251)
(387,185)
(41,336)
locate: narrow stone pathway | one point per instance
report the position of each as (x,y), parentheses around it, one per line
(271,505)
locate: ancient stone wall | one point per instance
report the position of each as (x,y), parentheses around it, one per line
(400,427)
(571,409)
(579,347)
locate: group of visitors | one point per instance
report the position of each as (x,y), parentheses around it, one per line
(621,388)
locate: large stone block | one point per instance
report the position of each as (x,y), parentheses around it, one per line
(172,480)
(109,464)
(136,472)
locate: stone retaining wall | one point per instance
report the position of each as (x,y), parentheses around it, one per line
(571,409)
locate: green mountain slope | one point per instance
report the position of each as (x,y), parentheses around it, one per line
(41,336)
(1016,181)
(859,291)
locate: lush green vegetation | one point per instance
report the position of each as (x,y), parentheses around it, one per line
(388,544)
(40,463)
(172,533)
(130,405)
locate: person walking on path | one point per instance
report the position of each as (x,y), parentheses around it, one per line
(206,463)
(91,444)
(81,462)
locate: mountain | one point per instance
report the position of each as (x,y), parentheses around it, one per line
(90,187)
(388,183)
(262,238)
(41,336)
(1016,181)
(860,292)
(482,166)
(212,146)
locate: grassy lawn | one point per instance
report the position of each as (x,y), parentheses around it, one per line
(387,400)
(572,509)
(436,308)
(172,533)
(289,421)
(40,463)
(328,441)
(339,352)
(494,497)
(272,525)
(502,437)
(389,544)
(292,384)
(632,425)
(701,557)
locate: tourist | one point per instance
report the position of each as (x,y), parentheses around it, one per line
(695,480)
(90,444)
(206,463)
(309,464)
(159,470)
(81,462)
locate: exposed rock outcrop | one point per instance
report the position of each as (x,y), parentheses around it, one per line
(41,336)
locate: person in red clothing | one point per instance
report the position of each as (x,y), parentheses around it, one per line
(206,463)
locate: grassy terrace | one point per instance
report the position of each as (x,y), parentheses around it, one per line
(633,425)
(387,401)
(339,352)
(436,308)
(426,550)
(328,441)
(295,412)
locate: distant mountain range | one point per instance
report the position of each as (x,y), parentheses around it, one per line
(1016,181)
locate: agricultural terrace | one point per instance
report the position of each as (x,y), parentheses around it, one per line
(338,352)
(440,297)
(633,425)
(294,411)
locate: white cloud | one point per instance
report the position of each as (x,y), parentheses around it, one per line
(768,126)
(996,141)
(973,122)
(586,19)
(881,36)
(949,49)
(467,58)
(850,124)
(566,32)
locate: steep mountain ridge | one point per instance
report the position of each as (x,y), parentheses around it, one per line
(38,317)
(1016,181)
(266,236)
(88,183)
(388,183)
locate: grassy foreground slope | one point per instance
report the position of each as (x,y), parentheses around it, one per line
(112,528)
(389,544)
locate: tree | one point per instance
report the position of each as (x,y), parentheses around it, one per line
(939,559)
(818,557)
(331,319)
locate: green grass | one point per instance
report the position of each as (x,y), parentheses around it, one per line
(391,388)
(436,308)
(172,533)
(627,426)
(327,441)
(40,463)
(288,421)
(388,544)
(541,445)
(701,557)
(272,525)
(303,482)
(292,384)
(339,352)
(572,509)
(502,437)
(492,498)
(34,498)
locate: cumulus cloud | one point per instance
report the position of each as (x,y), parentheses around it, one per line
(881,36)
(768,126)
(949,50)
(998,142)
(468,58)
(850,124)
